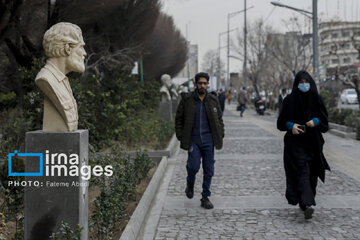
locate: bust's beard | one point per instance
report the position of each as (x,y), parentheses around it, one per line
(77,66)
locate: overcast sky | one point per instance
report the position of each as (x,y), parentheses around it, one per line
(207,18)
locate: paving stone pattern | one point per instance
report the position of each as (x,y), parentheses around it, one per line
(251,165)
(275,224)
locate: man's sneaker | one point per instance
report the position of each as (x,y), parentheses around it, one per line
(189,191)
(308,212)
(205,203)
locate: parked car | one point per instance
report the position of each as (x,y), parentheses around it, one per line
(349,96)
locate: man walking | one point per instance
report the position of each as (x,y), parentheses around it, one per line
(228,96)
(242,99)
(222,98)
(199,127)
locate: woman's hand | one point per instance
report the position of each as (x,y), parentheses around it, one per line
(310,123)
(296,129)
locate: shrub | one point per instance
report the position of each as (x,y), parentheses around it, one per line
(339,116)
(164,133)
(353,119)
(67,233)
(115,106)
(116,190)
(13,204)
(329,99)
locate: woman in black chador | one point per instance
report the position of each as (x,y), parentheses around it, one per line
(304,117)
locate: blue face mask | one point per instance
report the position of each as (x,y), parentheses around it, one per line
(304,87)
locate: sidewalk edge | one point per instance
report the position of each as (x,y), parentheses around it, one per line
(133,227)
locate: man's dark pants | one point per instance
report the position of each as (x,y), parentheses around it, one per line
(242,109)
(195,153)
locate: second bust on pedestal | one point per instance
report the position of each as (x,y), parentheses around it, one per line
(168,89)
(64,46)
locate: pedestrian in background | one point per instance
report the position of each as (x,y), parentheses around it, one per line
(304,117)
(222,98)
(228,96)
(199,127)
(281,98)
(242,99)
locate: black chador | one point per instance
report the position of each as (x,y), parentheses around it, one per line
(304,160)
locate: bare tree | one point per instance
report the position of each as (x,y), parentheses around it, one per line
(290,49)
(211,64)
(256,54)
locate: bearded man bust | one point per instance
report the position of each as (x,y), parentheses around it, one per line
(64,46)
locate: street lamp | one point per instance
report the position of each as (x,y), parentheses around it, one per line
(312,14)
(277,4)
(230,15)
(219,49)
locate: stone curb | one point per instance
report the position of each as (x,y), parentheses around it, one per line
(342,131)
(341,127)
(133,227)
(342,134)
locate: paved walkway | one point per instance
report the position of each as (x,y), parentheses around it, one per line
(248,191)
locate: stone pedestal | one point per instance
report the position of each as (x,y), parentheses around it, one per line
(175,103)
(57,198)
(165,109)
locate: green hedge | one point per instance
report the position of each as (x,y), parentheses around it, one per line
(116,190)
(342,116)
(348,117)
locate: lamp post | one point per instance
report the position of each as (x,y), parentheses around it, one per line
(219,50)
(245,50)
(230,15)
(314,17)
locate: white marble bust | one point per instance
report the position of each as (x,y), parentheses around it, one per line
(174,91)
(64,46)
(164,90)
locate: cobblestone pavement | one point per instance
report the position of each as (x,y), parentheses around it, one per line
(248,194)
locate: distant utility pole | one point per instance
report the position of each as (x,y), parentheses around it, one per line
(245,33)
(316,43)
(228,53)
(230,15)
(219,52)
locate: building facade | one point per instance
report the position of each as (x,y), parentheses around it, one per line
(191,65)
(338,43)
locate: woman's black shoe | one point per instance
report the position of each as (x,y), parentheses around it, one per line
(302,207)
(308,212)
